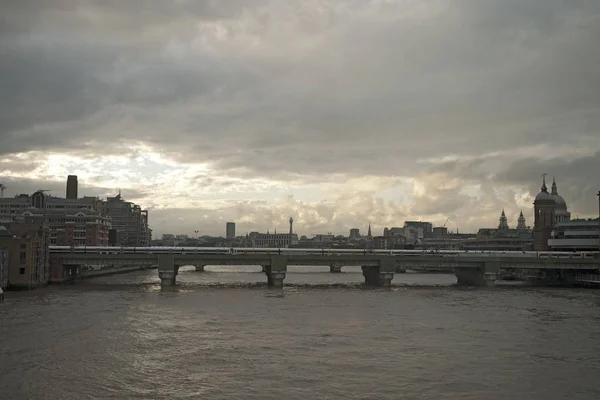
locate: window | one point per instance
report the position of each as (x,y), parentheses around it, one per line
(22,271)
(23,245)
(22,257)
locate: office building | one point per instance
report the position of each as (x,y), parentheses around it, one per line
(230,230)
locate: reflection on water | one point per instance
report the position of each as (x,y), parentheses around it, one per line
(224,335)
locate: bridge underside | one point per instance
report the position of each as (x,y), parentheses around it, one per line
(377,270)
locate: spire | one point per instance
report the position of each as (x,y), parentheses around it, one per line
(369,231)
(503,221)
(544,187)
(554,188)
(521,222)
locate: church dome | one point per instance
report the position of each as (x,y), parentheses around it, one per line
(544,196)
(561,204)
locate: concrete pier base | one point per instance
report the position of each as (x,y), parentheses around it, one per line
(199,268)
(374,276)
(334,268)
(275,279)
(484,275)
(167,278)
(167,270)
(276,271)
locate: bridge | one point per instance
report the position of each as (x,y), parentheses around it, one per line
(378,268)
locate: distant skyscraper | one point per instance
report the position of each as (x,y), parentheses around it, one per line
(72,187)
(230,230)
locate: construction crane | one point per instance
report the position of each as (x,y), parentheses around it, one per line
(447,219)
(2,189)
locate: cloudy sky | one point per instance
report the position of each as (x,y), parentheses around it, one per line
(334,112)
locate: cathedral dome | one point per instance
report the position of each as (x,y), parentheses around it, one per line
(544,196)
(561,204)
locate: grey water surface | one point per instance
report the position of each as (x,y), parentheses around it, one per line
(225,335)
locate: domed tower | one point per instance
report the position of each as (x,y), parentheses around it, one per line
(544,218)
(561,213)
(503,225)
(521,222)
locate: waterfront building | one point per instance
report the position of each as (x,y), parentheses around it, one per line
(3,265)
(575,235)
(389,242)
(28,253)
(71,222)
(129,220)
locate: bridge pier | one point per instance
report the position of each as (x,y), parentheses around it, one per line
(167,270)
(276,271)
(199,267)
(483,275)
(380,275)
(263,268)
(335,268)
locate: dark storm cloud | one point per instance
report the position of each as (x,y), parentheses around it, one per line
(311,87)
(576,178)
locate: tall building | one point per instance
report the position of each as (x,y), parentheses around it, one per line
(355,233)
(72,187)
(230,230)
(544,208)
(129,220)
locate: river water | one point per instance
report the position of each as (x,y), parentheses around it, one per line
(225,335)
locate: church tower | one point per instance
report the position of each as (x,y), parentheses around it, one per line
(521,223)
(544,219)
(503,222)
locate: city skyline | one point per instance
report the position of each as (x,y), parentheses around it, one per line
(337,113)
